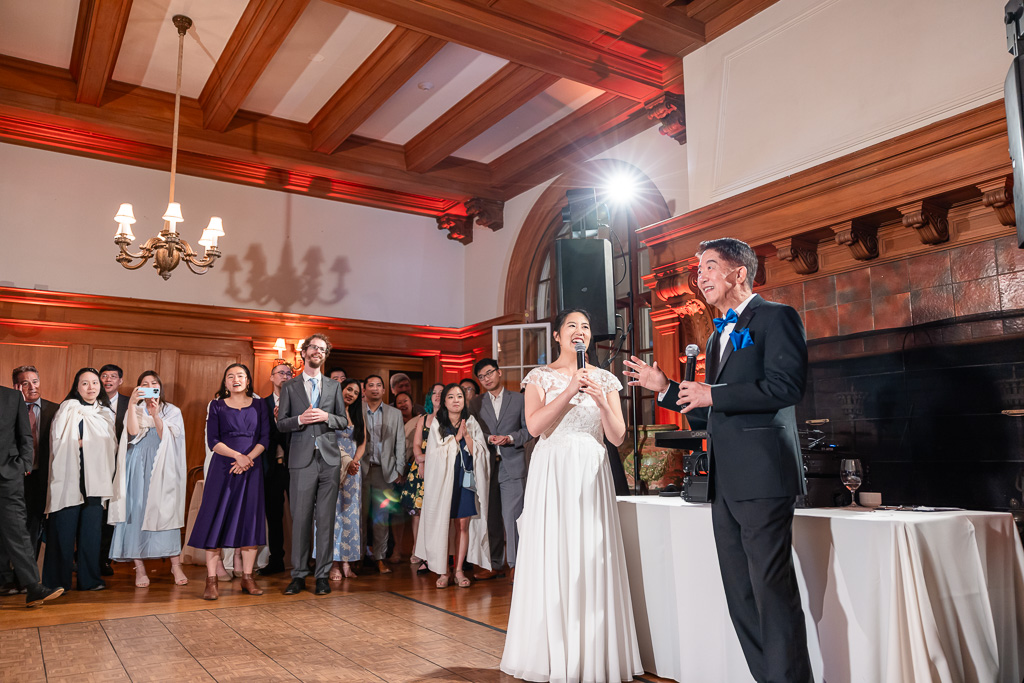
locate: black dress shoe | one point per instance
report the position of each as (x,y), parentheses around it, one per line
(295,587)
(9,588)
(323,587)
(271,569)
(98,587)
(40,593)
(106,569)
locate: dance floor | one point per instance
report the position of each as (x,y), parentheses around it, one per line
(374,628)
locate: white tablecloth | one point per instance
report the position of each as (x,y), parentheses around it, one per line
(888,596)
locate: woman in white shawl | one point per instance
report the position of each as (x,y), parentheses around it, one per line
(83,445)
(456,456)
(148,507)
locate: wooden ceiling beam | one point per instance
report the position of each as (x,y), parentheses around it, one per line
(98,37)
(637,75)
(259,33)
(720,16)
(509,88)
(133,126)
(599,125)
(399,56)
(669,30)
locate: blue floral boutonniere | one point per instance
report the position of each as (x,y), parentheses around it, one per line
(741,339)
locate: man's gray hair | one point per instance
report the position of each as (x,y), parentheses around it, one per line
(734,252)
(396,378)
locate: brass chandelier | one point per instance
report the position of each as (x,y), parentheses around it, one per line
(168,249)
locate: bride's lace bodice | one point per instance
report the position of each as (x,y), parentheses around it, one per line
(583,416)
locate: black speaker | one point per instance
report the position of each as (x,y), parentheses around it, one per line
(585,281)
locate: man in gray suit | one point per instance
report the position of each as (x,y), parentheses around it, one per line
(383,464)
(311,409)
(502,417)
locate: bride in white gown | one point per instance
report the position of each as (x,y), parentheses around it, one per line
(571,618)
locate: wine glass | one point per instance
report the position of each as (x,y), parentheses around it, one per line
(851,473)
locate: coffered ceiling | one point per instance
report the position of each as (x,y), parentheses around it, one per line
(411,105)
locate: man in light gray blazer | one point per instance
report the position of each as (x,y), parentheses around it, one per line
(383,464)
(502,417)
(311,409)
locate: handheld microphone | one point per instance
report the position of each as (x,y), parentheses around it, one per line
(581,356)
(690,374)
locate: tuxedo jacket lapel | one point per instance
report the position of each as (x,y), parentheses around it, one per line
(742,322)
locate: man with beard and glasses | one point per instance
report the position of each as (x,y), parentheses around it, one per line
(311,410)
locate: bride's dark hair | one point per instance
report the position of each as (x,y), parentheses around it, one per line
(444,422)
(556,326)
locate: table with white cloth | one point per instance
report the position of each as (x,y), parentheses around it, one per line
(889,596)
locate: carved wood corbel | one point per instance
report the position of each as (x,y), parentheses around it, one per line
(860,236)
(928,219)
(460,228)
(668,109)
(998,195)
(488,212)
(802,253)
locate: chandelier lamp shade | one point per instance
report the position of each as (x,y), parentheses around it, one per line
(168,249)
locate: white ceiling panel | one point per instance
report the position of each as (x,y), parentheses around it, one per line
(39,31)
(453,73)
(149,53)
(327,44)
(552,105)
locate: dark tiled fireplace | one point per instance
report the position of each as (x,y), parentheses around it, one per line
(922,406)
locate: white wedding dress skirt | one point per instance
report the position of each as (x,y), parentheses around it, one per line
(571,618)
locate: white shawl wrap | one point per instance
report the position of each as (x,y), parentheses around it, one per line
(432,543)
(99,443)
(165,507)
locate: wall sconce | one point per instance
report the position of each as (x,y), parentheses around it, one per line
(280,347)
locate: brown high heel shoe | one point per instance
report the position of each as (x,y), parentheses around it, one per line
(249,586)
(211,588)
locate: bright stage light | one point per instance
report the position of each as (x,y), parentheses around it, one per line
(621,188)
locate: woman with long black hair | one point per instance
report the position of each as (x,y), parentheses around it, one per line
(571,617)
(455,488)
(82,464)
(232,512)
(148,507)
(348,539)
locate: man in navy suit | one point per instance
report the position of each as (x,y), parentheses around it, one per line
(756,370)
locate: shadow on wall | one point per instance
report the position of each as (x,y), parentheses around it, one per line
(289,284)
(304,284)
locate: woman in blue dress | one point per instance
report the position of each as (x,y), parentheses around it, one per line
(348,542)
(232,514)
(148,507)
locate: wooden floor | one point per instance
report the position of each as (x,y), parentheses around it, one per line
(374,628)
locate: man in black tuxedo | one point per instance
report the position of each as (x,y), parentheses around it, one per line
(756,371)
(16,450)
(275,474)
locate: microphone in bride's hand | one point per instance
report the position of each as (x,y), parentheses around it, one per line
(581,357)
(690,374)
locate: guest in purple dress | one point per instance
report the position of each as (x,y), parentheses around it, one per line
(231,514)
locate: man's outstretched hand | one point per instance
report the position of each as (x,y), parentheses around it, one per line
(644,375)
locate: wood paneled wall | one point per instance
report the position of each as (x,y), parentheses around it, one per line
(190,346)
(862,217)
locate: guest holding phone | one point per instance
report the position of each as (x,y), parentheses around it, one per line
(148,507)
(82,462)
(232,512)
(455,489)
